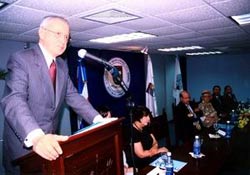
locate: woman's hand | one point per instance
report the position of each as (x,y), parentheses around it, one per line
(162,150)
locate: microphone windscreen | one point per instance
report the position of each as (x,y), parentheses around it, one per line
(82,53)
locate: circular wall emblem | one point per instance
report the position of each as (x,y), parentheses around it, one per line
(111,85)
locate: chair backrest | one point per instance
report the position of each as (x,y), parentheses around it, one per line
(177,129)
(160,129)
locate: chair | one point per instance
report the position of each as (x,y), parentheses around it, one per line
(160,128)
(177,129)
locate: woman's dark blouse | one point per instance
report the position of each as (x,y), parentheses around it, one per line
(147,142)
(143,137)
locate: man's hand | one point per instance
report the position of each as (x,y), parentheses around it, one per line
(47,146)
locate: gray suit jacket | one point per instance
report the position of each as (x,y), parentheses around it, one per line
(30,102)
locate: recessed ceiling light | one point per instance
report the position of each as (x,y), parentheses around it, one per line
(173,49)
(242,19)
(205,53)
(122,38)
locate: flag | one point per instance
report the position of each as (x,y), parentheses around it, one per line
(150,89)
(81,87)
(178,86)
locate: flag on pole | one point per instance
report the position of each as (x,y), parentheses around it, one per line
(178,86)
(82,87)
(150,89)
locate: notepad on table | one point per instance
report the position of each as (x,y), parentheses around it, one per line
(178,165)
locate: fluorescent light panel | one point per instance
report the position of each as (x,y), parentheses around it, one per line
(173,49)
(242,19)
(122,38)
(204,53)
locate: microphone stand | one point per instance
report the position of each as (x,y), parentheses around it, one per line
(130,104)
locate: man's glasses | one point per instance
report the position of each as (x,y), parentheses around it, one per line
(57,34)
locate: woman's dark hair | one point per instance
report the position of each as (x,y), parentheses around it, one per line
(139,112)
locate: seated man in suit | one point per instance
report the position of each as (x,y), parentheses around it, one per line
(217,101)
(187,118)
(229,100)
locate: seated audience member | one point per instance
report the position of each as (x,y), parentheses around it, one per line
(229,101)
(209,113)
(217,101)
(187,121)
(145,145)
(104,111)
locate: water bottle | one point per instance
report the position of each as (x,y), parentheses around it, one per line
(160,164)
(197,146)
(228,129)
(233,116)
(169,164)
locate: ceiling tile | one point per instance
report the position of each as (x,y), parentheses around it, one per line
(23,16)
(143,24)
(154,7)
(221,31)
(65,7)
(191,15)
(13,28)
(108,30)
(209,24)
(174,29)
(176,23)
(232,7)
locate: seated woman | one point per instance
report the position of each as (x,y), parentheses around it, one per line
(145,145)
(210,115)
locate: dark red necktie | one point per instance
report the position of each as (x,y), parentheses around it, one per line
(52,72)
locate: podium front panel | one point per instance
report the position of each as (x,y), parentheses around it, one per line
(97,151)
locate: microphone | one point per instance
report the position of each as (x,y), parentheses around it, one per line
(82,53)
(112,69)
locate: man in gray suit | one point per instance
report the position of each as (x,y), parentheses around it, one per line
(32,100)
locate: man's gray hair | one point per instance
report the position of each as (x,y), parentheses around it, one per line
(47,19)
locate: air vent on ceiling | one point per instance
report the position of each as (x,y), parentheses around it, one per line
(111,16)
(3,4)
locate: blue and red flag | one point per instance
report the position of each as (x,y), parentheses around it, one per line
(82,87)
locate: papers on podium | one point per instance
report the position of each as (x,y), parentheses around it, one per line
(95,125)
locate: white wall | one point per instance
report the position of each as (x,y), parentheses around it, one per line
(205,71)
(163,67)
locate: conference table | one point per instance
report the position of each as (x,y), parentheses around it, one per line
(223,156)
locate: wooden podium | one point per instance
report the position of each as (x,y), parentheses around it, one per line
(96,151)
